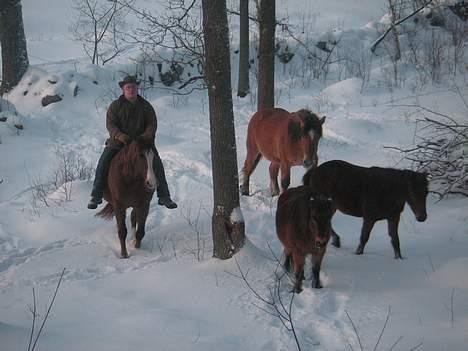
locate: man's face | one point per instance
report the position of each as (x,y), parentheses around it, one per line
(130,91)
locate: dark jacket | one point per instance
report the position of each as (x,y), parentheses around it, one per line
(134,119)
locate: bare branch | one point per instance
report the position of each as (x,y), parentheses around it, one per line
(393,25)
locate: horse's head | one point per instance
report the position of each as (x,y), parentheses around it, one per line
(139,163)
(307,132)
(417,193)
(321,210)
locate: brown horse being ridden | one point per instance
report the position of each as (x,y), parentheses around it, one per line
(130,183)
(286,139)
(372,193)
(303,225)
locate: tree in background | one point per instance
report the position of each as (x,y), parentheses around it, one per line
(243,83)
(227,222)
(99,28)
(15,60)
(266,59)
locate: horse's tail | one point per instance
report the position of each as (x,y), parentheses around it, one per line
(106,213)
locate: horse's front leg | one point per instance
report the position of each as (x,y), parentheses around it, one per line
(366,229)
(298,260)
(317,258)
(122,230)
(285,175)
(274,170)
(141,214)
(393,232)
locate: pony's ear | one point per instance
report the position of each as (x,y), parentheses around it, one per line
(322,120)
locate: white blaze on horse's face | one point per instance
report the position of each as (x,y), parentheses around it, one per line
(150,180)
(312,146)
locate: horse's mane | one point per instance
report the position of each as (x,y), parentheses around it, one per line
(130,153)
(311,121)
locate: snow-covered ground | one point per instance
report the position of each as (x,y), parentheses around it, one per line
(170,294)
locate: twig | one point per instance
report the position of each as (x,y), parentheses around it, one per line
(393,25)
(416,347)
(48,311)
(33,319)
(355,330)
(395,343)
(383,328)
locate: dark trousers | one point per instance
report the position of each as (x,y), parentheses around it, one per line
(102,170)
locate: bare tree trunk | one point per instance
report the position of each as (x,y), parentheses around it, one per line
(13,43)
(266,60)
(227,223)
(243,83)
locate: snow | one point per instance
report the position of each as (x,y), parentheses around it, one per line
(170,294)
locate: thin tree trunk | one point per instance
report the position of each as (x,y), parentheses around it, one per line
(266,63)
(13,43)
(243,83)
(227,223)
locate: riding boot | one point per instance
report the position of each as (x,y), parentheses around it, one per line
(101,176)
(164,197)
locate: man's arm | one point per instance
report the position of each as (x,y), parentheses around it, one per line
(111,123)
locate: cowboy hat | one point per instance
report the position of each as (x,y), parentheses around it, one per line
(128,79)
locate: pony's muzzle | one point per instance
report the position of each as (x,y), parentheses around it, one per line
(421,217)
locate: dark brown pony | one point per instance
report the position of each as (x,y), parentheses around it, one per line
(371,193)
(303,225)
(285,139)
(130,183)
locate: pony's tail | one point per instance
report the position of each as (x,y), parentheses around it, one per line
(106,213)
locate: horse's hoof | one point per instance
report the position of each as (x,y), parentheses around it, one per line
(137,244)
(124,255)
(244,191)
(317,285)
(359,251)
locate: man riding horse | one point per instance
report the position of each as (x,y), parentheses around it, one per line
(129,117)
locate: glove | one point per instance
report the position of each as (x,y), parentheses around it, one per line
(123,138)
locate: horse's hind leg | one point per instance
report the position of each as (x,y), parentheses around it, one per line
(274,170)
(122,231)
(250,163)
(141,214)
(393,232)
(285,176)
(367,226)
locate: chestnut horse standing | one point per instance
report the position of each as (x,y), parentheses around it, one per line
(285,139)
(130,183)
(372,193)
(303,225)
